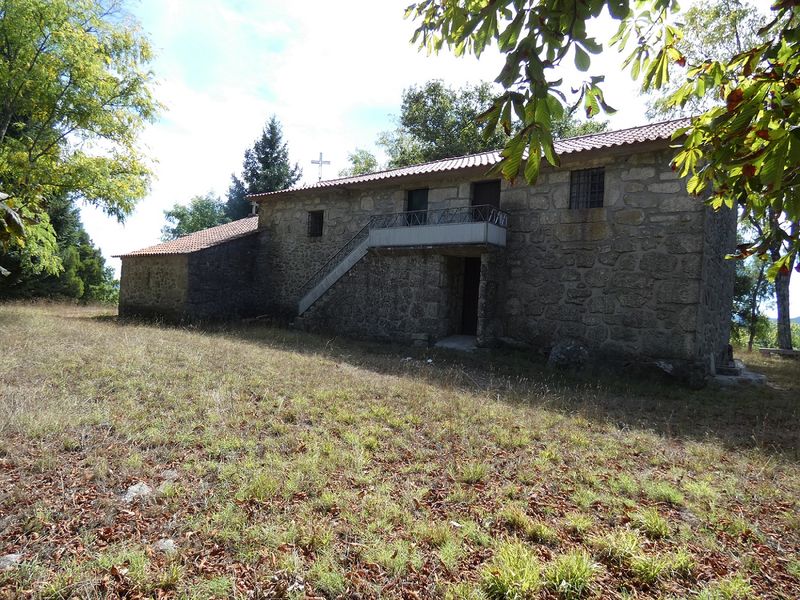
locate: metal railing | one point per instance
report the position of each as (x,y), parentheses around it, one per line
(484,213)
(334,260)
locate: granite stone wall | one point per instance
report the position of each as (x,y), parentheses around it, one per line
(293,256)
(218,283)
(642,277)
(717,279)
(225,281)
(628,278)
(153,286)
(390,297)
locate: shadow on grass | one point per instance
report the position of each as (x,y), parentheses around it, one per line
(766,418)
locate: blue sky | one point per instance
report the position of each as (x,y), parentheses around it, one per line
(332,72)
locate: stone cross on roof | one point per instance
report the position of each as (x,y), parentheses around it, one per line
(320,162)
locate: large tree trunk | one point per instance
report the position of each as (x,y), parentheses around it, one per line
(782,300)
(754,306)
(782,281)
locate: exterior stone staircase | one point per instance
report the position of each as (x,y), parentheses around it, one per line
(471,225)
(334,273)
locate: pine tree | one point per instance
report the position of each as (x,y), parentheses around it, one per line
(237,206)
(266,168)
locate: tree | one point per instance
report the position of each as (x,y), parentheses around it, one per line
(266,168)
(74,95)
(201,213)
(751,291)
(712,30)
(236,205)
(745,152)
(569,126)
(438,122)
(719,30)
(83,274)
(362,162)
(441,122)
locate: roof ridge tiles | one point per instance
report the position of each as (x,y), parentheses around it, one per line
(604,139)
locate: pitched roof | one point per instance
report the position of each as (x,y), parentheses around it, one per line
(200,240)
(595,141)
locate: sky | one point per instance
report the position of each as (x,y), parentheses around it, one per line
(332,72)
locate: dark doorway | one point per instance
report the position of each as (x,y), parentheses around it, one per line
(417,207)
(469,307)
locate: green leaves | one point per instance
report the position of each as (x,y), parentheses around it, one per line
(582,60)
(437,121)
(201,213)
(74,76)
(11,220)
(535,38)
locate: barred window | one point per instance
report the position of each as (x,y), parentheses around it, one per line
(315,220)
(586,188)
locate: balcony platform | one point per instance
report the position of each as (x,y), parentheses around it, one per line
(449,234)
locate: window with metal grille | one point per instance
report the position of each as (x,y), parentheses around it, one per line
(315,219)
(586,188)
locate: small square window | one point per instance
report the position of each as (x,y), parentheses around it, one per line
(586,188)
(315,221)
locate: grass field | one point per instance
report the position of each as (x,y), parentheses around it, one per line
(289,465)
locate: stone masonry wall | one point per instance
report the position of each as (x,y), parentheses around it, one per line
(389,297)
(626,278)
(640,277)
(153,286)
(224,282)
(718,274)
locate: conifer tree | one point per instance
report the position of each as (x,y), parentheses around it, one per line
(266,168)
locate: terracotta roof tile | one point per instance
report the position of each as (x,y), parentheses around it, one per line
(596,141)
(200,240)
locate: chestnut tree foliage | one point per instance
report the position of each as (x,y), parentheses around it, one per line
(743,152)
(74,95)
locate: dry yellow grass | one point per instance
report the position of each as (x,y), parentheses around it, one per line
(314,467)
